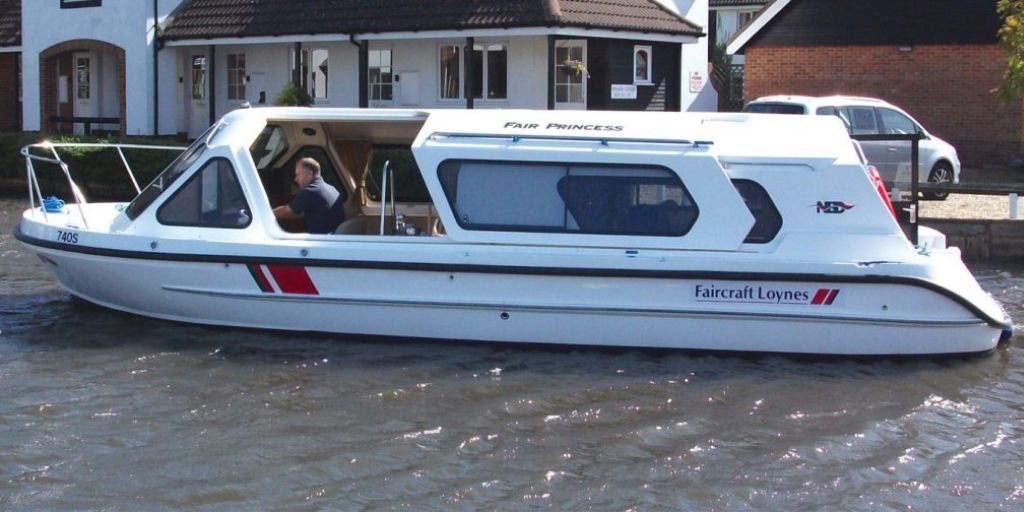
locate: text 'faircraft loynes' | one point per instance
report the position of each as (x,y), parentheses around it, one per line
(711,231)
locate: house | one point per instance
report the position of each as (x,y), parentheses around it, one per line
(174,66)
(725,18)
(938,59)
(10,65)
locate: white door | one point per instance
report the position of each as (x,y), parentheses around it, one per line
(571,74)
(409,88)
(198,113)
(83,91)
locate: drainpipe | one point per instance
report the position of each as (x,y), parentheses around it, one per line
(212,79)
(364,79)
(156,72)
(551,72)
(297,70)
(470,71)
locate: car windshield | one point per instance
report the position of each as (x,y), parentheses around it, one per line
(169,175)
(774,108)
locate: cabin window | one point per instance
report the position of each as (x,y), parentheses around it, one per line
(380,75)
(767,221)
(409,186)
(168,176)
(327,170)
(236,76)
(567,198)
(211,198)
(269,145)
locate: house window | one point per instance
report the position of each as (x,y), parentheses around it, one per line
(82,78)
(570,70)
(490,71)
(314,73)
(380,76)
(236,76)
(451,65)
(198,77)
(73,4)
(641,64)
(744,17)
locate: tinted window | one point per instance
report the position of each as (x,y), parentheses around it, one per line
(895,123)
(774,108)
(169,175)
(862,120)
(211,198)
(767,221)
(270,144)
(567,198)
(409,186)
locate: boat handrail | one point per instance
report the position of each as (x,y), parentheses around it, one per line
(604,141)
(35,192)
(384,194)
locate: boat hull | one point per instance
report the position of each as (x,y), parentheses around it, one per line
(532,305)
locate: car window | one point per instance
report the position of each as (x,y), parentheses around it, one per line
(862,120)
(774,108)
(896,123)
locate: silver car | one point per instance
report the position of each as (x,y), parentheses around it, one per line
(938,162)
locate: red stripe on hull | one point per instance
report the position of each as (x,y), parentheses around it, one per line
(293,279)
(819,297)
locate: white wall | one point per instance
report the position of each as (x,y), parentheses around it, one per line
(123,23)
(527,71)
(695,58)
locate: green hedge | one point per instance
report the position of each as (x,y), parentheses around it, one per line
(98,171)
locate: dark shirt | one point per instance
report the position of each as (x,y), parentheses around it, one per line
(321,206)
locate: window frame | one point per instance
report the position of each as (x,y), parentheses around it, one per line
(197,175)
(236,82)
(308,72)
(199,86)
(452,196)
(483,71)
(649,65)
(381,84)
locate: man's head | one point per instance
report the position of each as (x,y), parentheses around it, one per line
(306,170)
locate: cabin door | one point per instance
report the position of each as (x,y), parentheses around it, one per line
(83,103)
(570,74)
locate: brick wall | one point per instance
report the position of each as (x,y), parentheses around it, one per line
(10,106)
(948,88)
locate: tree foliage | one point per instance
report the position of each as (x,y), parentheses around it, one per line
(1011,34)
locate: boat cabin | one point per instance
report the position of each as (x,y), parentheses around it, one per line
(584,179)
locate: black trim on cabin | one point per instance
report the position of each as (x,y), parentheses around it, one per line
(523,270)
(881,22)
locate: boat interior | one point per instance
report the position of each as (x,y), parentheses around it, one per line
(352,156)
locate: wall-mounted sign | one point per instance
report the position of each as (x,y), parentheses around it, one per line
(696,81)
(623,92)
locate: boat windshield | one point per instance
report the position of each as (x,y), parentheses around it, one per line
(171,174)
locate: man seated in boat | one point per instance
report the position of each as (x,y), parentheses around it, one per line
(318,202)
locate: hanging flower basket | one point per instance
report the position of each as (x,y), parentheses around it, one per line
(575,67)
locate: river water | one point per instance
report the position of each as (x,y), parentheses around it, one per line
(105,411)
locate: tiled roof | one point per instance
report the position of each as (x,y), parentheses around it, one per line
(10,22)
(211,19)
(736,3)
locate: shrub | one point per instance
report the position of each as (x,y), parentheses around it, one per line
(293,96)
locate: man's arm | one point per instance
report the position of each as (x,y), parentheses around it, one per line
(285,212)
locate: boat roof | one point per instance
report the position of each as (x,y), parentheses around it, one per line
(725,134)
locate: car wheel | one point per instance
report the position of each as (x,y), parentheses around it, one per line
(941,173)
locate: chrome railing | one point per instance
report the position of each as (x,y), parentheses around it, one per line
(35,192)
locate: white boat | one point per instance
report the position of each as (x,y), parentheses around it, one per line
(724,232)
